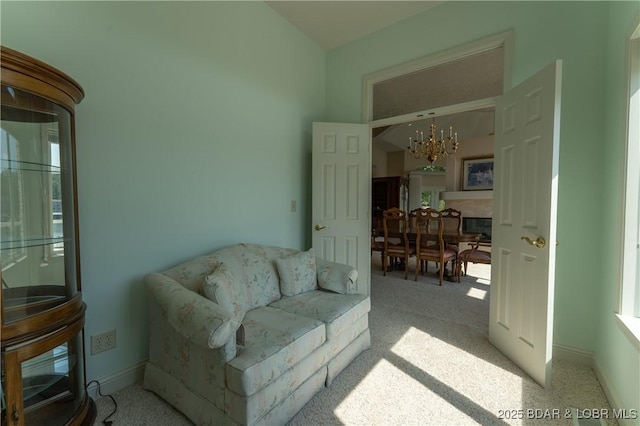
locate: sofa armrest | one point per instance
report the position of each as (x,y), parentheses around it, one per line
(190,314)
(337,277)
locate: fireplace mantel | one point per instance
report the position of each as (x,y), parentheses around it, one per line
(478,204)
(466,195)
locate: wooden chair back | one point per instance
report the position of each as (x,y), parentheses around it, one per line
(395,223)
(429,242)
(452,220)
(428,226)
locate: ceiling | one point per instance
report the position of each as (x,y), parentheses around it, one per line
(469,125)
(331,24)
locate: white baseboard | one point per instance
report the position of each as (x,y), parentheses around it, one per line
(568,353)
(612,395)
(120,380)
(583,357)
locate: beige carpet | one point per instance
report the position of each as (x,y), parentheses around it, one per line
(430,364)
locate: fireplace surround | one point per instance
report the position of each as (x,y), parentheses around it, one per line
(480,225)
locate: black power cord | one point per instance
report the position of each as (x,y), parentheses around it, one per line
(106,420)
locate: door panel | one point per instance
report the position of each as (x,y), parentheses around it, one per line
(526,150)
(341,196)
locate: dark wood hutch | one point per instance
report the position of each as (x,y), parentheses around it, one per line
(387,192)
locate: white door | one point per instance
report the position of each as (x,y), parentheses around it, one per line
(526,150)
(341,192)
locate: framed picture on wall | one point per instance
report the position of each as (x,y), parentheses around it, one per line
(477,174)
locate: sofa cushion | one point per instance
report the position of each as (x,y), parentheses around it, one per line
(337,311)
(222,287)
(297,273)
(253,265)
(275,341)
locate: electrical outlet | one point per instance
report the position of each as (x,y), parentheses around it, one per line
(103,342)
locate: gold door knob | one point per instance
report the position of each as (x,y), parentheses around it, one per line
(538,242)
(319,227)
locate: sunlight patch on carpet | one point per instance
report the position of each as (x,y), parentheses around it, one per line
(477,293)
(390,393)
(450,360)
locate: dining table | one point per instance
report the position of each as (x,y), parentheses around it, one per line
(448,236)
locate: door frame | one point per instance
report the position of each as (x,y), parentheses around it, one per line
(503,39)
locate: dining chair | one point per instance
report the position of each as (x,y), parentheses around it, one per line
(377,242)
(474,255)
(396,243)
(430,245)
(452,225)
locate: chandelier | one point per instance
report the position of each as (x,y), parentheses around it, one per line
(435,145)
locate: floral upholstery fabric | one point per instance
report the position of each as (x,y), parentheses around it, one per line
(200,367)
(343,358)
(336,311)
(256,408)
(197,318)
(202,411)
(297,273)
(258,273)
(252,265)
(293,345)
(222,287)
(275,341)
(336,277)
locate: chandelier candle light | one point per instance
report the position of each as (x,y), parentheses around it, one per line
(433,146)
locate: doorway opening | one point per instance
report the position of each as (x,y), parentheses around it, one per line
(399,100)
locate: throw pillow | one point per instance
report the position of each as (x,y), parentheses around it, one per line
(222,288)
(336,277)
(297,273)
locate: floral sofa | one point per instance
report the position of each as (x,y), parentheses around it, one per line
(249,334)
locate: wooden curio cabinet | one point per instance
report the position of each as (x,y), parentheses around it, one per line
(388,192)
(42,313)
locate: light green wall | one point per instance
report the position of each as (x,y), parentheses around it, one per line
(194,134)
(614,351)
(574,32)
(586,39)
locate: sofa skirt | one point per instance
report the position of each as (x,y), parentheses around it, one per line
(347,355)
(202,412)
(288,407)
(197,408)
